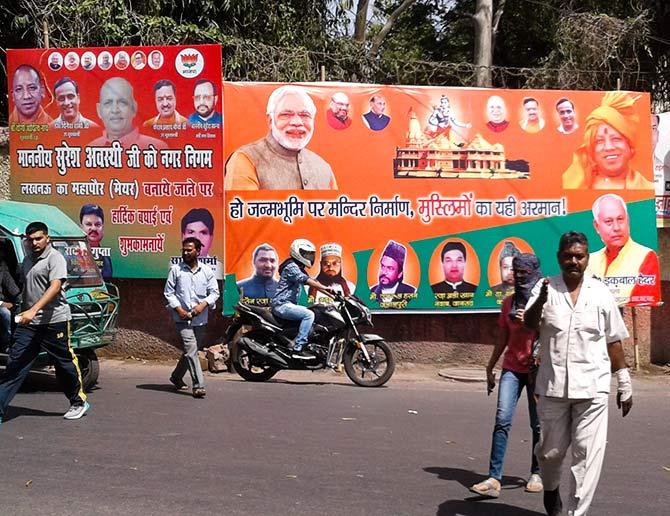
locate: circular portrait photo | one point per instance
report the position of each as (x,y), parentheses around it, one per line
(339,112)
(454,273)
(88,60)
(121,60)
(55,61)
(105,60)
(376,112)
(156,59)
(531,118)
(139,60)
(71,60)
(499,272)
(393,274)
(566,116)
(336,269)
(496,114)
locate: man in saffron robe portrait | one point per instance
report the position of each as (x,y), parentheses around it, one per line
(604,160)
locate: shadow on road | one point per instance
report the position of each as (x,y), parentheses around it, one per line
(477,505)
(467,478)
(163,387)
(470,507)
(13,412)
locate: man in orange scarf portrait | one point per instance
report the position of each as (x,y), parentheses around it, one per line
(604,160)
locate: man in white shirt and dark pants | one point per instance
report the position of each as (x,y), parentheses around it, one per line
(581,331)
(190,290)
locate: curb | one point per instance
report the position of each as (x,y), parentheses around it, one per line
(464,374)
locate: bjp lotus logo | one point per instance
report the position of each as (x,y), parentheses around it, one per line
(189,60)
(189,63)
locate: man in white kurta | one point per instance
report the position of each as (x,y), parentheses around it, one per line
(581,330)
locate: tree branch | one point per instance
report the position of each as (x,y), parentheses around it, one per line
(390,22)
(361,20)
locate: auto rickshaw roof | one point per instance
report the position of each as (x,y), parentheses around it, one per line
(15,216)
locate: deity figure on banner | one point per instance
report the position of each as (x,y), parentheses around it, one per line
(330,275)
(442,121)
(280,160)
(604,161)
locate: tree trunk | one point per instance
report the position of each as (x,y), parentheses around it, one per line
(361,20)
(483,48)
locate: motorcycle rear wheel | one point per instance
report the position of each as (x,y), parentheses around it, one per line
(377,372)
(244,366)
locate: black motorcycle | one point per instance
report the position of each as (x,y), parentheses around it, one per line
(265,348)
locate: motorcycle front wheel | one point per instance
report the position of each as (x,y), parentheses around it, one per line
(369,374)
(247,368)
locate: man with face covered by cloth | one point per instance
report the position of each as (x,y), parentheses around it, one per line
(604,160)
(331,275)
(518,343)
(506,285)
(391,266)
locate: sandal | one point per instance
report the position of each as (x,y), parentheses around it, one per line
(489,488)
(534,484)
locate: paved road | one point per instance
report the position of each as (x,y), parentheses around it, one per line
(303,444)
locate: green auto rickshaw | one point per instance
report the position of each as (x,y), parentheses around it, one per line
(94,304)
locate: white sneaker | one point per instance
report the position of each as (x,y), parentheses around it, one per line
(77,411)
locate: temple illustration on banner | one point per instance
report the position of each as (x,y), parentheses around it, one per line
(427,154)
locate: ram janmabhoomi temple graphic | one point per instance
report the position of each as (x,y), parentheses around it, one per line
(428,154)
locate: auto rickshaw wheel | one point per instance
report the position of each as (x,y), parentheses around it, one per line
(89,368)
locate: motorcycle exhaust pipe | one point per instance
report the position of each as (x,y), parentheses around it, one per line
(261,350)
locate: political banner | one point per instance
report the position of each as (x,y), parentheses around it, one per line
(418,198)
(128,142)
(660,124)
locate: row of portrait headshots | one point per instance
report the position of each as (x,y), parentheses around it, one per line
(196,223)
(630,270)
(116,106)
(89,60)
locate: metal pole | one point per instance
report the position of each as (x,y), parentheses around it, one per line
(636,348)
(323,73)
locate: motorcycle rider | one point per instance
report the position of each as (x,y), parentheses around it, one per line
(292,278)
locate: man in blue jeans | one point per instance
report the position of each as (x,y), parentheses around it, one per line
(292,278)
(515,376)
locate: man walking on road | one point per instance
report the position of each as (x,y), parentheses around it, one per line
(44,323)
(581,330)
(190,290)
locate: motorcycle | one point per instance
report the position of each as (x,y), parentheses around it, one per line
(265,348)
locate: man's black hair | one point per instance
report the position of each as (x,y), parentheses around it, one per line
(198,215)
(192,240)
(91,209)
(206,81)
(571,238)
(164,82)
(65,80)
(36,226)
